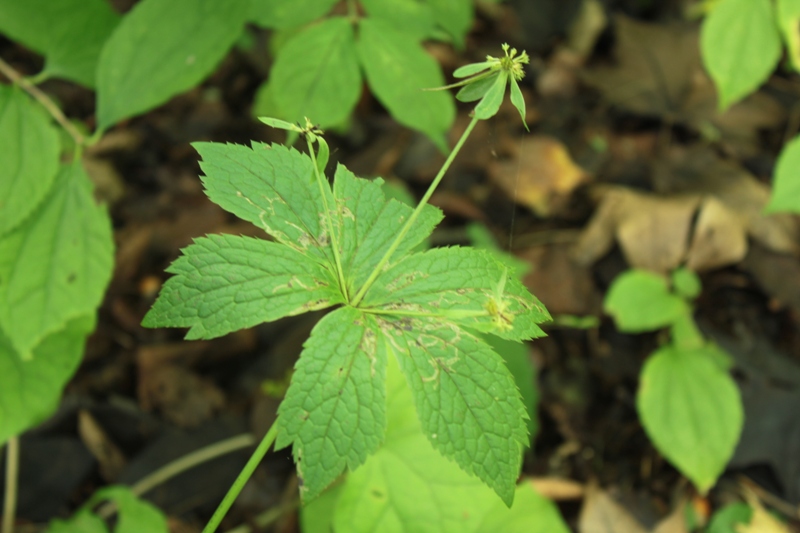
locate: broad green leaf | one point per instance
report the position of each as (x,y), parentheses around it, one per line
(517,360)
(271,186)
(28,159)
(334,412)
(726,519)
(316,516)
(32,388)
(686,283)
(280,14)
(316,74)
(414,17)
(407,487)
(692,411)
(81,522)
(135,515)
(740,46)
(786,183)
(455,16)
(531,513)
(56,265)
(224,283)
(462,285)
(477,89)
(69,33)
(490,104)
(788,12)
(397,69)
(369,224)
(162,48)
(640,301)
(466,400)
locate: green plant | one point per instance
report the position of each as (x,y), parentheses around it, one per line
(340,247)
(319,60)
(135,515)
(687,401)
(741,46)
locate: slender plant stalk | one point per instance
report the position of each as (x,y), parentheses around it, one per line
(268,517)
(180,465)
(12,475)
(334,239)
(44,100)
(413,218)
(242,478)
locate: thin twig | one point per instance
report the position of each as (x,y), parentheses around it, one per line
(46,102)
(12,475)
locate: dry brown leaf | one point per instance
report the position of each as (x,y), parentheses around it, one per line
(651,230)
(540,174)
(658,71)
(111,459)
(674,523)
(563,285)
(558,489)
(601,514)
(719,238)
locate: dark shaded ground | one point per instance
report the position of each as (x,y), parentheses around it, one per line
(157,397)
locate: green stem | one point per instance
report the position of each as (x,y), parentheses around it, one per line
(323,184)
(413,218)
(12,475)
(9,72)
(244,475)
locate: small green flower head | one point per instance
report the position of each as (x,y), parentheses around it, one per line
(486,81)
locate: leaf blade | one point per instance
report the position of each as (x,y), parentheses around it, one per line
(316,74)
(397,68)
(135,74)
(56,265)
(461,391)
(334,413)
(224,283)
(29,159)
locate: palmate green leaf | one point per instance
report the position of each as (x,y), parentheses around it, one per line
(271,186)
(162,48)
(369,223)
(224,283)
(334,412)
(462,285)
(409,16)
(466,400)
(477,89)
(455,16)
(69,33)
(641,301)
(692,411)
(32,388)
(740,46)
(280,14)
(786,183)
(316,74)
(81,522)
(56,265)
(397,69)
(490,104)
(28,159)
(406,487)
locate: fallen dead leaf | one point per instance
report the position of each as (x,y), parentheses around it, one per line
(762,521)
(111,459)
(601,514)
(658,72)
(674,523)
(719,238)
(652,231)
(563,285)
(558,489)
(540,174)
